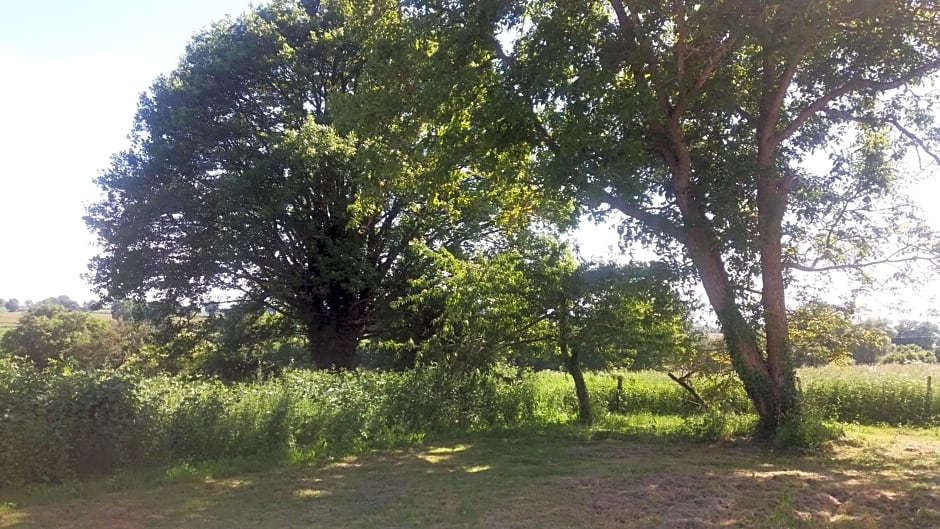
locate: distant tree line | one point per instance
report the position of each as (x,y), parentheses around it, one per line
(14,305)
(823,333)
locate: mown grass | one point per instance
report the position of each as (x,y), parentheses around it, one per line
(535,478)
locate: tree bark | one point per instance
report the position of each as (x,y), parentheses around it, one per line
(771,204)
(744,348)
(573,364)
(333,345)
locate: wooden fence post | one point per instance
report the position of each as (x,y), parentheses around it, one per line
(929,398)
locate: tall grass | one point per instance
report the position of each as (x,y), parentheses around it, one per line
(882,394)
(61,426)
(57,426)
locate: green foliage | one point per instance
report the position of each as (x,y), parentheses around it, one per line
(806,430)
(253,105)
(718,425)
(908,354)
(61,425)
(822,333)
(58,425)
(695,120)
(921,333)
(885,394)
(507,306)
(869,351)
(248,341)
(51,333)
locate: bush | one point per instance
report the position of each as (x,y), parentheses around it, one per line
(908,354)
(58,425)
(806,430)
(50,334)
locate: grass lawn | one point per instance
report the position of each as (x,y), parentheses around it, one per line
(877,477)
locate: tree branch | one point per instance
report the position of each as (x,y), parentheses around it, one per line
(858,266)
(714,60)
(874,120)
(849,87)
(657,223)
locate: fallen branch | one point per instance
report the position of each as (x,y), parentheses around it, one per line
(682,381)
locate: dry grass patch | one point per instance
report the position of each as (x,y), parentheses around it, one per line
(877,478)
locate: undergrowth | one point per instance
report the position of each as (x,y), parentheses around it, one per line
(60,426)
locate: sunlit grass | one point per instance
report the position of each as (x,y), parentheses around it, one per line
(555,477)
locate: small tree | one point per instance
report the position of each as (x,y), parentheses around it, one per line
(50,333)
(12,304)
(822,333)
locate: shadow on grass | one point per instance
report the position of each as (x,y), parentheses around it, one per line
(541,477)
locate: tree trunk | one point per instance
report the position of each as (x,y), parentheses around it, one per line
(333,345)
(573,364)
(771,390)
(766,374)
(771,204)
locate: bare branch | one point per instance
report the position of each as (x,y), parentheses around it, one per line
(858,266)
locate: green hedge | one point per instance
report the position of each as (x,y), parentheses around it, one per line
(58,426)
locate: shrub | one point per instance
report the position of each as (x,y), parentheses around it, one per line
(908,354)
(50,333)
(806,430)
(57,425)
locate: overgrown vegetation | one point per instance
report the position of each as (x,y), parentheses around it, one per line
(61,425)
(58,425)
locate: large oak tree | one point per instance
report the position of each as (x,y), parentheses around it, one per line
(245,175)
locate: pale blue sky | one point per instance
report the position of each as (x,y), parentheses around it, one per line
(70,75)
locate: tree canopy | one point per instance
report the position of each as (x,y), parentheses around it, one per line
(698,122)
(240,179)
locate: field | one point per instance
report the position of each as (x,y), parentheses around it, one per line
(8,320)
(876,477)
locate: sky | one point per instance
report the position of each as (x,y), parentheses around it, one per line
(70,76)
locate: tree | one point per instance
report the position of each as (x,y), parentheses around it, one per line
(879,332)
(246,175)
(51,333)
(64,301)
(12,305)
(921,333)
(532,303)
(696,120)
(822,333)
